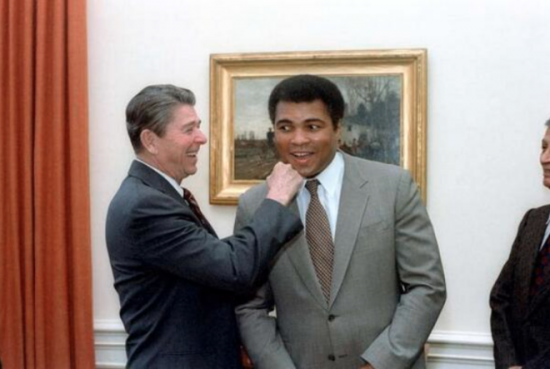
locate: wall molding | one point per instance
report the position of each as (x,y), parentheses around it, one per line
(452,349)
(447,349)
(109,338)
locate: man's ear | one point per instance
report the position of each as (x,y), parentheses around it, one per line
(149,141)
(338,128)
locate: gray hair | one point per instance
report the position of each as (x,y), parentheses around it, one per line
(152,108)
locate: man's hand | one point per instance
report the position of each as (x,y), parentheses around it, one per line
(283,183)
(366,366)
(515,367)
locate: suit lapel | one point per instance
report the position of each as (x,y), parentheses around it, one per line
(298,254)
(532,250)
(353,201)
(155,180)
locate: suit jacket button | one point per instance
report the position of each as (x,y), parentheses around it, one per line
(332,357)
(331,317)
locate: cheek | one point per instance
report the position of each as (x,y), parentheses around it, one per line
(280,144)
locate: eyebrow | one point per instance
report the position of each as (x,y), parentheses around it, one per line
(192,123)
(308,120)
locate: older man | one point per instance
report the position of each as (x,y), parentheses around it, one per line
(520,299)
(176,280)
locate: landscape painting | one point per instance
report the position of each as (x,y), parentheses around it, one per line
(385,111)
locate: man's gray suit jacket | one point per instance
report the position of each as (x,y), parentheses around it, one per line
(388,286)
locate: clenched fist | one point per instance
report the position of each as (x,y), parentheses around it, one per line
(283,183)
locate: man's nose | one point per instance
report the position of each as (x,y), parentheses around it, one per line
(200,138)
(299,137)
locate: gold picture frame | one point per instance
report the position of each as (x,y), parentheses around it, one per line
(241,83)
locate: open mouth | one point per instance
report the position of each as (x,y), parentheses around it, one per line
(301,157)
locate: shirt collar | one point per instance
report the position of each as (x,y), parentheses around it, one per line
(330,176)
(170,180)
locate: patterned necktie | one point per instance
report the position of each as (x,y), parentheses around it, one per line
(319,239)
(194,206)
(542,268)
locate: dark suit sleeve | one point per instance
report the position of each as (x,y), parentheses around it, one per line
(540,362)
(162,234)
(500,300)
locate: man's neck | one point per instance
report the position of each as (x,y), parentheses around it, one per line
(170,179)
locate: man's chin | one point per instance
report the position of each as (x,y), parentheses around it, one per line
(190,171)
(306,173)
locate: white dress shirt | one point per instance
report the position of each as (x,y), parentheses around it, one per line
(330,186)
(170,180)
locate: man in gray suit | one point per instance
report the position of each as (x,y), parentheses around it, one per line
(385,286)
(177,281)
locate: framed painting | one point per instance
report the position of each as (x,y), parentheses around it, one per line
(385,118)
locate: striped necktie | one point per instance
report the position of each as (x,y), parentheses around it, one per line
(319,239)
(542,268)
(194,206)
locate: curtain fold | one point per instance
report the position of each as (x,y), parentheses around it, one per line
(45,261)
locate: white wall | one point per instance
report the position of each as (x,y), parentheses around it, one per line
(488,97)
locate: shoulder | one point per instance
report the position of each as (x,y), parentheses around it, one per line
(539,213)
(385,178)
(254,194)
(374,168)
(134,197)
(251,200)
(537,216)
(542,210)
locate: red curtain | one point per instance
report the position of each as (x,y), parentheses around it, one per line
(45,263)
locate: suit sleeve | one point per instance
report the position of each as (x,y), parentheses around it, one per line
(500,300)
(163,235)
(258,328)
(540,362)
(422,282)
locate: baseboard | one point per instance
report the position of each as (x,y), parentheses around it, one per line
(447,349)
(109,344)
(451,349)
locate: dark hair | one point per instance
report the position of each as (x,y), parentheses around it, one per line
(152,109)
(547,123)
(308,88)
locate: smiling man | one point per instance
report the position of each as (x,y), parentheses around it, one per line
(177,282)
(520,298)
(363,286)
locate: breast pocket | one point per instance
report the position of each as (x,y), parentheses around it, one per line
(377,226)
(373,259)
(375,237)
